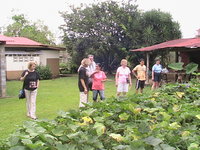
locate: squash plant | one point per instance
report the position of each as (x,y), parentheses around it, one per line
(168,119)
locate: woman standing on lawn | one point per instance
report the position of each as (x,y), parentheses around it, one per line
(98,78)
(156,74)
(123,78)
(83,81)
(31,83)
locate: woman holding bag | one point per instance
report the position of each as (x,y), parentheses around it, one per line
(31,83)
(123,78)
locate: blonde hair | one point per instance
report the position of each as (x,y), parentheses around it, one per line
(86,62)
(30,64)
(124,61)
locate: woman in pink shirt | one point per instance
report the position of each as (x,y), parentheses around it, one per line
(99,78)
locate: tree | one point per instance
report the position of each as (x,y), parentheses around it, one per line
(36,31)
(109,30)
(158,27)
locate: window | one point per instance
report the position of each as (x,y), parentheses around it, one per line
(20,58)
(31,58)
(25,58)
(15,58)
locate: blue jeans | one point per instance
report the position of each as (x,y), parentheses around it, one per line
(101,94)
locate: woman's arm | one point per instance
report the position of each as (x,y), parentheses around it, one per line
(129,77)
(104,80)
(116,78)
(22,78)
(38,83)
(84,86)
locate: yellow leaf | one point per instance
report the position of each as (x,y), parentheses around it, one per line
(185,133)
(117,137)
(176,108)
(87,120)
(180,94)
(153,99)
(137,110)
(156,94)
(174,125)
(82,124)
(198,116)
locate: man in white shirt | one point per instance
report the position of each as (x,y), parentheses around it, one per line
(91,69)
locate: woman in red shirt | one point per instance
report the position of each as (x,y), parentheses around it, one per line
(99,78)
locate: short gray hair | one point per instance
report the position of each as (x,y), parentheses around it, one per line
(90,55)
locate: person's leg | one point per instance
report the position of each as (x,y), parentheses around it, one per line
(125,89)
(141,85)
(33,96)
(137,86)
(83,99)
(153,86)
(155,81)
(119,89)
(101,94)
(90,84)
(28,103)
(157,85)
(141,90)
(95,94)
(159,80)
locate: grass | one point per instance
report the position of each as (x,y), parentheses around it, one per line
(53,96)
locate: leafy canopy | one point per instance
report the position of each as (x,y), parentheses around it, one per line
(110,29)
(37,31)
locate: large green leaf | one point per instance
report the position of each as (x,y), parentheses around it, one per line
(153,141)
(191,67)
(166,147)
(18,148)
(176,66)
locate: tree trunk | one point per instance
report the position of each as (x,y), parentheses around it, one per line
(2,71)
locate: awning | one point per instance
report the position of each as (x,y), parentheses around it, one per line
(187,43)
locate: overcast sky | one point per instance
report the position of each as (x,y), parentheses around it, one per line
(186,12)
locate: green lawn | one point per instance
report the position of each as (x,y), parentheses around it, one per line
(53,96)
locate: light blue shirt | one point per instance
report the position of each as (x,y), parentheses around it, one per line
(157,68)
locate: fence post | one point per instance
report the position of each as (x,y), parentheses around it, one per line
(2,71)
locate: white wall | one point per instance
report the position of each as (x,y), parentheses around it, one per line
(18,63)
(18,60)
(47,54)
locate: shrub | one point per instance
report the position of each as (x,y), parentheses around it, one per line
(44,72)
(68,68)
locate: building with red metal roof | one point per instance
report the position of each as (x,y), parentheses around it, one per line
(187,50)
(20,50)
(179,43)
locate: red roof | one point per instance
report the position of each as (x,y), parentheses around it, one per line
(188,43)
(25,42)
(22,41)
(5,38)
(18,41)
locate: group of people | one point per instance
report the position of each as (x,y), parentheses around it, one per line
(91,77)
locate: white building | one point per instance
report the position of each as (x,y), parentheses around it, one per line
(21,50)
